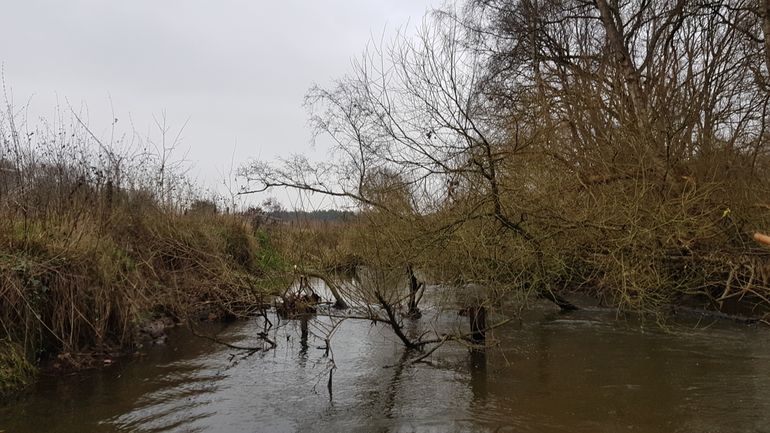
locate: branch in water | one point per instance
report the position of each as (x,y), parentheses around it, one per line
(262,336)
(339,302)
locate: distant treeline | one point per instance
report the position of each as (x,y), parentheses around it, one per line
(316,215)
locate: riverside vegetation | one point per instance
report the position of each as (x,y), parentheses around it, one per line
(530,148)
(104,242)
(538,147)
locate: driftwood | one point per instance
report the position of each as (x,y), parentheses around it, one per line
(252,349)
(562,303)
(298,305)
(339,301)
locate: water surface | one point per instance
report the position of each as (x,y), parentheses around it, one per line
(586,371)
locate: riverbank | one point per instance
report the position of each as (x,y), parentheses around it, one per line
(104,242)
(78,291)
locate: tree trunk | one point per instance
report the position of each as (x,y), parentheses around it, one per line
(393,321)
(478,319)
(414,288)
(615,39)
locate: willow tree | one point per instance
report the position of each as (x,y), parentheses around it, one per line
(418,151)
(653,114)
(535,146)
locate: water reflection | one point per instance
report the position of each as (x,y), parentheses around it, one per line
(303,346)
(477,366)
(582,372)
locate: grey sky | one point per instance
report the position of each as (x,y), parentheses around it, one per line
(238,69)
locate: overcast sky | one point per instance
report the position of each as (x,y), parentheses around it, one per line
(237,69)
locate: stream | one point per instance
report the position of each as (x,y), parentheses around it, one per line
(586,371)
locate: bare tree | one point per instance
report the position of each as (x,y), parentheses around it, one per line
(536,146)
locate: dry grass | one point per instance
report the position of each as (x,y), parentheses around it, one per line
(95,242)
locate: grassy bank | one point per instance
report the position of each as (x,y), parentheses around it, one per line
(95,241)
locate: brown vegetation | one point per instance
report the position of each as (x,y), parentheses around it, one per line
(545,146)
(98,239)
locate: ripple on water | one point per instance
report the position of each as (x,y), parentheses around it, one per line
(576,373)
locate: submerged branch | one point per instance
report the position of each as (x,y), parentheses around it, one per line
(462,337)
(262,336)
